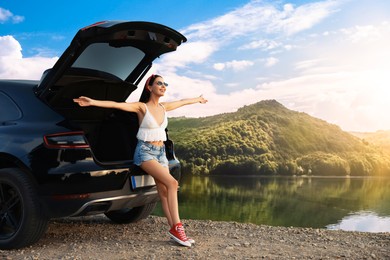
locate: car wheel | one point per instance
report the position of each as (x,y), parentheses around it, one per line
(125,216)
(22,218)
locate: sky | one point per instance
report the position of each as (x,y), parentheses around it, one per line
(329,59)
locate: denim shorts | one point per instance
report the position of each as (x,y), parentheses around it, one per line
(146,151)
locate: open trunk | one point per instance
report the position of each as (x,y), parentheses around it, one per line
(106,61)
(112,139)
(111,133)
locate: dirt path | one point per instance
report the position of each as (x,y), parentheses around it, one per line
(98,238)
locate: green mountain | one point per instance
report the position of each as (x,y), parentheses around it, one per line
(379,138)
(268,139)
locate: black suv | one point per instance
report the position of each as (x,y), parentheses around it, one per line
(61,160)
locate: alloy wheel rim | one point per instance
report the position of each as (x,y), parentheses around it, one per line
(10,210)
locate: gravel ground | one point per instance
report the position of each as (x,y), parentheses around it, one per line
(98,238)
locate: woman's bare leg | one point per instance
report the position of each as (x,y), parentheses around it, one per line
(161,174)
(167,188)
(163,193)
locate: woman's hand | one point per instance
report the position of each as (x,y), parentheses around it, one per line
(202,100)
(83,101)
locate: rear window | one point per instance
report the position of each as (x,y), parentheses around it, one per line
(118,61)
(9,110)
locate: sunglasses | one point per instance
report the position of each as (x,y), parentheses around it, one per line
(159,83)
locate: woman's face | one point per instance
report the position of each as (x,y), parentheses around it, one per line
(158,87)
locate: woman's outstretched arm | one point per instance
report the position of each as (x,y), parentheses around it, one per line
(188,101)
(130,107)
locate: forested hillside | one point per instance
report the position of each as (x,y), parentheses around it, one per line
(266,138)
(380,139)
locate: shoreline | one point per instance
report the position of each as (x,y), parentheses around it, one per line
(305,176)
(95,237)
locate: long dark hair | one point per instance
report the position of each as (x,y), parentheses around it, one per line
(145,96)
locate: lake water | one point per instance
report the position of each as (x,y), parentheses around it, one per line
(355,204)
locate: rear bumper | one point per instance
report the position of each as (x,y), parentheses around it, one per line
(80,196)
(116,203)
(99,202)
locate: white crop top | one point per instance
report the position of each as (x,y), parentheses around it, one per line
(150,130)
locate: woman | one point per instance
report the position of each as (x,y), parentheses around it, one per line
(150,151)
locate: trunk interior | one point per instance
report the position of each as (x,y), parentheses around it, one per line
(112,139)
(111,133)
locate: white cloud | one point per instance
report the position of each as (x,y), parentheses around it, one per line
(192,52)
(293,20)
(235,65)
(219,66)
(6,15)
(258,16)
(251,21)
(10,47)
(261,44)
(368,33)
(14,65)
(255,20)
(271,61)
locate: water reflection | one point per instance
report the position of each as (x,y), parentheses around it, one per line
(363,221)
(283,201)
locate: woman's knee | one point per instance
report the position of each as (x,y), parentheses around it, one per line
(163,189)
(173,183)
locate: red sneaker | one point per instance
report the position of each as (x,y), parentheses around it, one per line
(177,233)
(189,240)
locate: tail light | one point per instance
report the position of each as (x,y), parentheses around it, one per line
(68,140)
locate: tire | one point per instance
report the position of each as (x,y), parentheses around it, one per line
(125,216)
(22,218)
